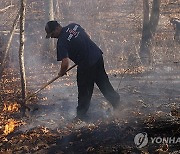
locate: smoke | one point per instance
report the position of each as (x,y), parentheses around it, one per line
(114,27)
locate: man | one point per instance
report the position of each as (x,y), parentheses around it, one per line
(74,43)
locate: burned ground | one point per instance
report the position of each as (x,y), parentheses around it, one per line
(149,104)
(150,96)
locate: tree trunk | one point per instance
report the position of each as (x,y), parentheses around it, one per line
(57,9)
(21,49)
(51,9)
(49,6)
(149,28)
(8,44)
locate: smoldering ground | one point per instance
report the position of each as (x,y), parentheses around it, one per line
(145,99)
(144,96)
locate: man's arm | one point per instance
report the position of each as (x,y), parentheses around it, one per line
(64,66)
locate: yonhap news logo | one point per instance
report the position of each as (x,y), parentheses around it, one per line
(142,139)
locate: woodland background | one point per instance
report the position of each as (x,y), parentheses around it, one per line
(142,58)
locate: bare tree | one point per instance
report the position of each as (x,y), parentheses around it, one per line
(21,49)
(6,8)
(49,8)
(6,50)
(57,9)
(149,27)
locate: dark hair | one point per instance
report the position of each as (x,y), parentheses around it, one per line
(51,26)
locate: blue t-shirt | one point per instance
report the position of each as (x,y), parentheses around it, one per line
(74,43)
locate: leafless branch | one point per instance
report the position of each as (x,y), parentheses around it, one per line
(6,8)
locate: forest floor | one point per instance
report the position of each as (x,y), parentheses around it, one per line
(149,105)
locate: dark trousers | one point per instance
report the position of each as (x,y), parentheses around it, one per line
(85,81)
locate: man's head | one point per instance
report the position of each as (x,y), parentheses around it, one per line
(53,29)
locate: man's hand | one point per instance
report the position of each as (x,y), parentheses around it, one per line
(64,67)
(61,74)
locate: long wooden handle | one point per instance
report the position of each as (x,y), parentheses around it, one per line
(44,86)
